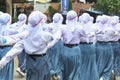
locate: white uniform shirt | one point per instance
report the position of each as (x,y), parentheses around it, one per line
(32,45)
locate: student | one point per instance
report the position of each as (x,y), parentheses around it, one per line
(87,45)
(7,72)
(54,52)
(35,45)
(113,25)
(70,53)
(104,52)
(19,27)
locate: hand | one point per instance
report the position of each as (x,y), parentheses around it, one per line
(101,78)
(51,44)
(1,65)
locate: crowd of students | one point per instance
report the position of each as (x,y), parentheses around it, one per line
(77,50)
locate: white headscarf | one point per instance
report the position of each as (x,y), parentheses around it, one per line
(57,18)
(86,23)
(44,19)
(91,19)
(5,20)
(56,23)
(37,39)
(22,19)
(71,20)
(114,20)
(105,19)
(20,25)
(71,16)
(85,18)
(100,21)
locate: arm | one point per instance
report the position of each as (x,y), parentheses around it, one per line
(17,48)
(56,38)
(10,40)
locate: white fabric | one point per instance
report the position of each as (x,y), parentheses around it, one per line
(20,23)
(1,12)
(57,18)
(88,29)
(71,20)
(85,18)
(5,20)
(84,1)
(12,39)
(55,28)
(35,43)
(71,33)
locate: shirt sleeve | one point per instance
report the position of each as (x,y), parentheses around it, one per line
(10,40)
(17,48)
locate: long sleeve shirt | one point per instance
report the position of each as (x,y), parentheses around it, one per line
(34,45)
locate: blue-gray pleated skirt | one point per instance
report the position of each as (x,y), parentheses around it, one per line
(70,59)
(7,72)
(88,59)
(22,61)
(116,62)
(104,54)
(37,67)
(54,59)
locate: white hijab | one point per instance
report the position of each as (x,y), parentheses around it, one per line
(71,20)
(22,19)
(56,23)
(5,20)
(36,39)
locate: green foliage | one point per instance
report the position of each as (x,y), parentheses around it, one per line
(110,7)
(52,11)
(70,5)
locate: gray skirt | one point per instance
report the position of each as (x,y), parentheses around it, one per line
(7,72)
(70,62)
(37,67)
(88,62)
(104,54)
(116,61)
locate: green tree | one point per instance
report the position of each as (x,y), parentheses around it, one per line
(109,7)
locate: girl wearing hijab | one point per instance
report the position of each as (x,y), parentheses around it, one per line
(55,29)
(87,45)
(35,45)
(104,52)
(19,27)
(113,24)
(70,56)
(7,72)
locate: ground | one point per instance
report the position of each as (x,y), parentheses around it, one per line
(16,75)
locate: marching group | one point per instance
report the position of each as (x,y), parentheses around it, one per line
(77,50)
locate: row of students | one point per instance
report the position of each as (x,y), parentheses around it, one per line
(83,51)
